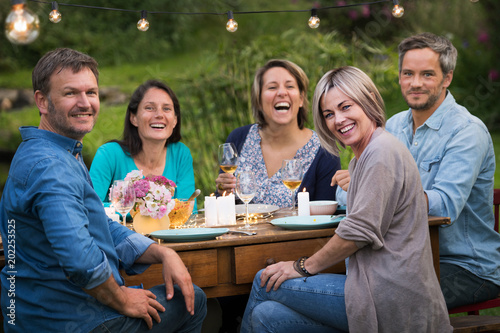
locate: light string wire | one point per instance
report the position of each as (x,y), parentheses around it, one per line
(215,13)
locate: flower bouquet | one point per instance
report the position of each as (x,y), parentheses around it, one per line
(154,200)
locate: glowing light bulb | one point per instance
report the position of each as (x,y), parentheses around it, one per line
(231,24)
(397,11)
(55,14)
(143,24)
(22,26)
(314,19)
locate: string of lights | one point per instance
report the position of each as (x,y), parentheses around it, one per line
(22,26)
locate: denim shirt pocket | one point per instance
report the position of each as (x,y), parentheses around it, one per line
(430,165)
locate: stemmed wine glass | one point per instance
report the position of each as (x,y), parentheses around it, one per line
(228,157)
(123,197)
(246,188)
(291,175)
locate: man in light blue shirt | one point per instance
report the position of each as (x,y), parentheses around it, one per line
(63,254)
(454,153)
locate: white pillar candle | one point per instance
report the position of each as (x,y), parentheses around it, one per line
(210,211)
(111,213)
(303,200)
(226,210)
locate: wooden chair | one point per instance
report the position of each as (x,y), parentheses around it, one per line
(473,309)
(473,322)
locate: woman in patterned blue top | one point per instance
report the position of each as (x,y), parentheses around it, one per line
(280,109)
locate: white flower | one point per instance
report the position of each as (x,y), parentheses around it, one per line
(148,198)
(134,175)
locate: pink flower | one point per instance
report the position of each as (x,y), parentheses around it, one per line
(365,11)
(493,75)
(153,194)
(483,37)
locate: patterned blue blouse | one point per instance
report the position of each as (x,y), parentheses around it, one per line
(272,191)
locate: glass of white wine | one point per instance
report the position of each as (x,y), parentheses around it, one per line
(123,197)
(246,188)
(291,176)
(228,157)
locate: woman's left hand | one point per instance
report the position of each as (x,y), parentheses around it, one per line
(278,273)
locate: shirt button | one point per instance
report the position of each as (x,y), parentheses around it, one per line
(78,144)
(415,144)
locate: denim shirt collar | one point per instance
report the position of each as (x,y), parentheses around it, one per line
(31,132)
(436,119)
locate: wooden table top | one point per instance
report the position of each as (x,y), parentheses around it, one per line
(266,233)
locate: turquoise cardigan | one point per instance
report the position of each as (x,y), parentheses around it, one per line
(112,163)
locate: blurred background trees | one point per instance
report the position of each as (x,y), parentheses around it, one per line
(211,70)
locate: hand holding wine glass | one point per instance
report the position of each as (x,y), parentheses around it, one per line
(228,157)
(123,197)
(291,175)
(246,188)
(228,162)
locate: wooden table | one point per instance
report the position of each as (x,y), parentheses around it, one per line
(227,265)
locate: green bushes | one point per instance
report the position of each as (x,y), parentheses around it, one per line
(216,98)
(211,70)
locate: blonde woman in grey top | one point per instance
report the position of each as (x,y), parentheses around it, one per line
(391,285)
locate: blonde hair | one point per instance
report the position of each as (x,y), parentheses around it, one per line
(357,86)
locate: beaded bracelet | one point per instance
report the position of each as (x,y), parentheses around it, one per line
(300,266)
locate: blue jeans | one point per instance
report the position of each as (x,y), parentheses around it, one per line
(461,287)
(313,304)
(175,318)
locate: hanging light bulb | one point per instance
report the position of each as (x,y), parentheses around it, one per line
(397,11)
(55,14)
(22,26)
(314,19)
(143,24)
(231,24)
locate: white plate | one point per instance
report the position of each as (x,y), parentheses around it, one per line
(308,222)
(189,235)
(256,209)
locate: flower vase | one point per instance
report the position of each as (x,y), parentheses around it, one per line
(146,224)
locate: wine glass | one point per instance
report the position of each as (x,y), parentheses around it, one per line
(291,175)
(123,197)
(228,157)
(246,188)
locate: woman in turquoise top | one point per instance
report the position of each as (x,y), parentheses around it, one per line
(150,142)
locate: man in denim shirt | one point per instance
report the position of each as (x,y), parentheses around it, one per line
(455,156)
(63,254)
(456,161)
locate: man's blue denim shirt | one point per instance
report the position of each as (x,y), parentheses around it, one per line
(64,242)
(454,153)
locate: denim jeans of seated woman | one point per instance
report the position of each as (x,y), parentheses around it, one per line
(174,319)
(313,304)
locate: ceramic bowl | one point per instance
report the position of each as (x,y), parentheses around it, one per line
(323,207)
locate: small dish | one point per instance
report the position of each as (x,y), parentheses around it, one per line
(256,209)
(323,207)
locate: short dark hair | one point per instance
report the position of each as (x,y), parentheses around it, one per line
(441,45)
(131,142)
(302,82)
(58,60)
